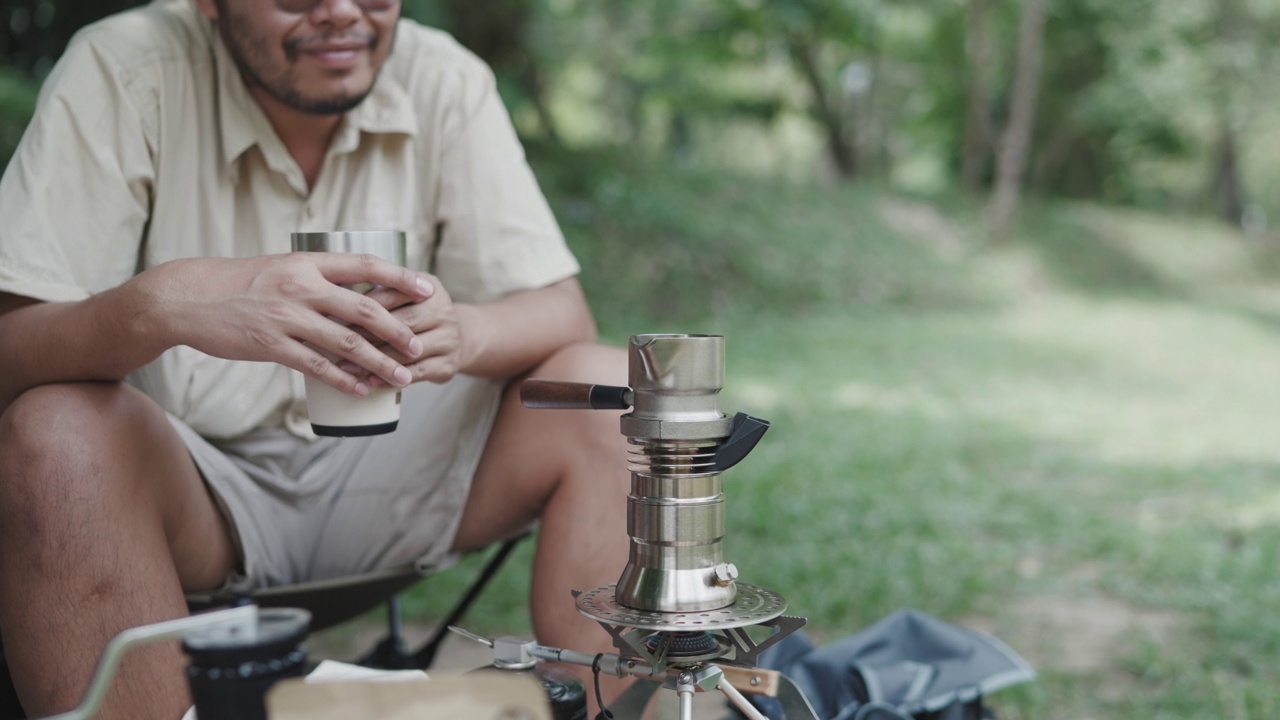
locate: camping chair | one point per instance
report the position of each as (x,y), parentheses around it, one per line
(332,602)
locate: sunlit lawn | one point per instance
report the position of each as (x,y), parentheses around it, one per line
(1089,469)
(1094,482)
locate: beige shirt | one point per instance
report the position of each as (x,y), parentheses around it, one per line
(146,147)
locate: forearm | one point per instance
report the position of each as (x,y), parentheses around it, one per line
(103,338)
(515,334)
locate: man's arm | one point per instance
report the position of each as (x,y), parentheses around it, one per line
(289,309)
(95,339)
(513,335)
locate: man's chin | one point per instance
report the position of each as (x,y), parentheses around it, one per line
(336,104)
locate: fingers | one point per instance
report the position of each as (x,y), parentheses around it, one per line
(370,312)
(369,320)
(355,269)
(439,363)
(372,344)
(308,361)
(392,299)
(346,343)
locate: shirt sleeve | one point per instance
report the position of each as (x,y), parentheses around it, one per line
(498,233)
(75,197)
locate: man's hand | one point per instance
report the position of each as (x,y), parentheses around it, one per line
(499,339)
(433,319)
(292,309)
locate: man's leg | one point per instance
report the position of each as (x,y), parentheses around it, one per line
(568,468)
(104,520)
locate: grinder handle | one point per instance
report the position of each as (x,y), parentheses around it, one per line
(555,395)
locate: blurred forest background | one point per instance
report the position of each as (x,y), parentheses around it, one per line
(1004,274)
(1162,104)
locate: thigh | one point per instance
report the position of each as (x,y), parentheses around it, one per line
(397,499)
(135,470)
(333,507)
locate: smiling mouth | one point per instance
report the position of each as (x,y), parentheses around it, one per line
(335,52)
(337,56)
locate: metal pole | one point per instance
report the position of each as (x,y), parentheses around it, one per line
(738,700)
(685,690)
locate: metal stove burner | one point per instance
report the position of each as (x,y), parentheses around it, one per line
(683,647)
(683,643)
(753,606)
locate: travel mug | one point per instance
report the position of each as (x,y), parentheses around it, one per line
(334,413)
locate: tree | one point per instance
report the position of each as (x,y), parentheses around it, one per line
(500,32)
(1242,62)
(1016,143)
(978,129)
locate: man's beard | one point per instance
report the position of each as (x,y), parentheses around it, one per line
(246,49)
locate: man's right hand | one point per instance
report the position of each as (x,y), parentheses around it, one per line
(289,309)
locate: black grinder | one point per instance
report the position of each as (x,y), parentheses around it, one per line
(233,666)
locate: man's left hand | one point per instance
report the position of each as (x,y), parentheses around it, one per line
(435,322)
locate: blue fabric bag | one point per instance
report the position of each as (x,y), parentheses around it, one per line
(908,666)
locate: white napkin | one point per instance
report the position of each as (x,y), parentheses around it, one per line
(332,670)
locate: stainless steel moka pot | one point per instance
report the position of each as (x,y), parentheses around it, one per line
(680,445)
(678,613)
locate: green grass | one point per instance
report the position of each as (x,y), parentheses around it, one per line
(1072,441)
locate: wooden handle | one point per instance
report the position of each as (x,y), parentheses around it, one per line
(752,681)
(554,395)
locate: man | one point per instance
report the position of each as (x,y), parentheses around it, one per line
(146,221)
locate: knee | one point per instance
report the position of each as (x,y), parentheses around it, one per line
(58,420)
(55,441)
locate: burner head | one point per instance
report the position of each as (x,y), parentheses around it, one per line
(685,647)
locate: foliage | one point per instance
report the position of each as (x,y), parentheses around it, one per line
(1133,94)
(659,242)
(1083,464)
(18,94)
(1137,97)
(34,32)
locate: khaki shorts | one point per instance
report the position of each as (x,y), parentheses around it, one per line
(311,510)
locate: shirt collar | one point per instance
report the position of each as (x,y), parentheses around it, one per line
(387,109)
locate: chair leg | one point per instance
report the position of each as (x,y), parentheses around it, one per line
(426,655)
(391,654)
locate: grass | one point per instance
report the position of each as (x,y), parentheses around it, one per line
(1069,441)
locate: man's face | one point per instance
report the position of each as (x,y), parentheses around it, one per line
(320,60)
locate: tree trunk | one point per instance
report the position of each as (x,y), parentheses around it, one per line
(1230,30)
(1227,184)
(34,33)
(536,88)
(498,31)
(843,150)
(978,132)
(1016,145)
